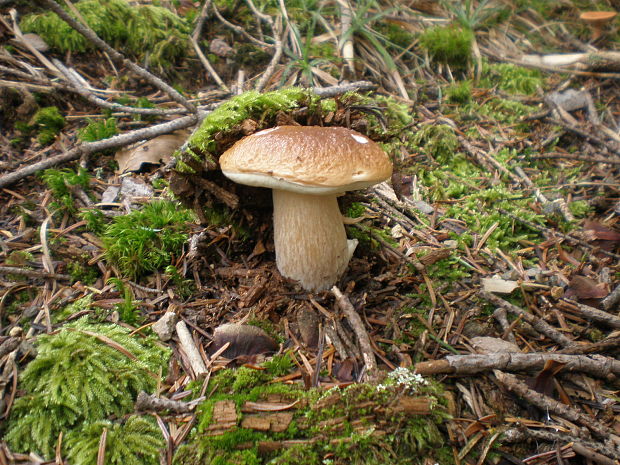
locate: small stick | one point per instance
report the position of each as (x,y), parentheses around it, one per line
(513,384)
(599,366)
(539,325)
(612,299)
(592,455)
(358,326)
(277,54)
(33,273)
(76,87)
(591,313)
(87,148)
(207,65)
(190,349)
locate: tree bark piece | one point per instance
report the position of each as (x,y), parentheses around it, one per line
(151,403)
(190,349)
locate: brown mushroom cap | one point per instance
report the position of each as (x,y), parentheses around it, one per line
(307,159)
(597,18)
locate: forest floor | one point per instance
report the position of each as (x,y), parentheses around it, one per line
(140,304)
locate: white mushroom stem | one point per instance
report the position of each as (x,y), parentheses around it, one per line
(310,240)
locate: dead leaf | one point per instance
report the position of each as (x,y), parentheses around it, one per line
(583,287)
(498,285)
(244,340)
(154,151)
(36,42)
(598,231)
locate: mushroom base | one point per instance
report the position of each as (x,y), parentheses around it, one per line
(310,240)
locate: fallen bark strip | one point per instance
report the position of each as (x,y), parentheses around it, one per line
(151,403)
(88,148)
(546,403)
(596,365)
(536,323)
(9,345)
(193,355)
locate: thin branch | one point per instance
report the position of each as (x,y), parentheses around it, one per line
(76,87)
(361,333)
(98,146)
(277,54)
(598,365)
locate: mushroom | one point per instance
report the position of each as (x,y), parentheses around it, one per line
(597,20)
(307,167)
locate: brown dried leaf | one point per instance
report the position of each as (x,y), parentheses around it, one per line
(583,287)
(598,231)
(244,340)
(154,151)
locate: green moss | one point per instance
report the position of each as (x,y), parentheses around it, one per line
(325,423)
(146,240)
(83,374)
(134,29)
(437,140)
(47,123)
(247,105)
(98,130)
(459,92)
(511,78)
(60,183)
(355,210)
(448,45)
(135,441)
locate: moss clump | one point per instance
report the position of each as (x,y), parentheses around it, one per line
(83,374)
(512,79)
(146,240)
(135,441)
(448,45)
(359,424)
(459,92)
(203,143)
(437,140)
(61,182)
(98,130)
(134,29)
(46,122)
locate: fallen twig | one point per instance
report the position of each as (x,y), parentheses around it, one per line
(590,313)
(598,365)
(536,323)
(32,273)
(546,403)
(358,327)
(190,349)
(87,148)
